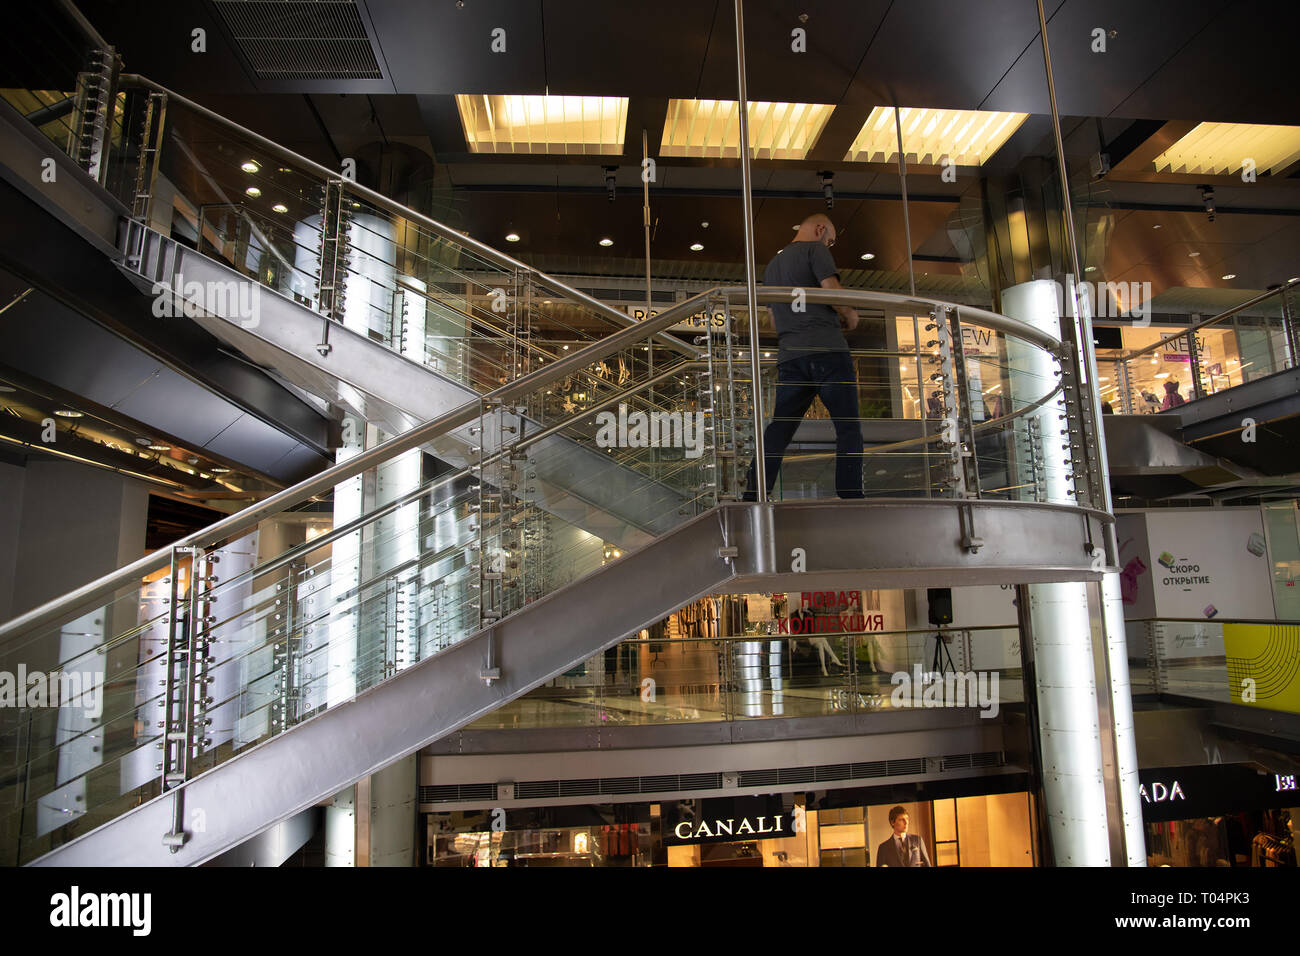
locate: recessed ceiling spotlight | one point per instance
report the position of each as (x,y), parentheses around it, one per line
(868,256)
(1230,275)
(67,413)
(1294,279)
(704,225)
(280,207)
(607,241)
(1157,226)
(160,447)
(249,166)
(357,205)
(218,470)
(1193,255)
(253,191)
(512,237)
(1089,268)
(696,247)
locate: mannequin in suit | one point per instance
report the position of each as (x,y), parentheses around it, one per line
(902,848)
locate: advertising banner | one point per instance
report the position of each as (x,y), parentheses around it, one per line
(1196,564)
(1264,665)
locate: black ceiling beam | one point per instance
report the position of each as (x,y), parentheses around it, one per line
(708,192)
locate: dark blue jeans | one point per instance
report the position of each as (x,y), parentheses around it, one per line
(830,375)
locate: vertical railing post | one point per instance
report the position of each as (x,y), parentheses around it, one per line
(91,134)
(1290,329)
(332,276)
(1125,386)
(146,169)
(178,694)
(946,378)
(1194,367)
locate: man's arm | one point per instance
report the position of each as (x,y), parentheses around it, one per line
(824,271)
(925,855)
(849,315)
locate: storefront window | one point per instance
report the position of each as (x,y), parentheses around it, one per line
(768,831)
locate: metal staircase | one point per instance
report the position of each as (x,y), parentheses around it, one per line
(264,663)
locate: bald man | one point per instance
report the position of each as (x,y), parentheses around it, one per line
(813,359)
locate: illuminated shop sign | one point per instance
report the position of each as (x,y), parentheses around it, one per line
(688,832)
(1181,793)
(726,820)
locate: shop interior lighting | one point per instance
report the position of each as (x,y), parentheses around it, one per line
(607,241)
(710,129)
(512,237)
(868,256)
(280,207)
(1217,149)
(1230,275)
(67,413)
(249,166)
(253,191)
(966,137)
(696,247)
(574,125)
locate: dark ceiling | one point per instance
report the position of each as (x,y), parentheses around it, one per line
(270,66)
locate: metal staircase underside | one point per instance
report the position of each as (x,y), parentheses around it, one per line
(395,393)
(857,544)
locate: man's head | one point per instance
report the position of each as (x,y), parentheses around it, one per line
(816,228)
(898,820)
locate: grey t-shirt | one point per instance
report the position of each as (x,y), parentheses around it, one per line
(816,329)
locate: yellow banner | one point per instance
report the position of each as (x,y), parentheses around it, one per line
(1264,665)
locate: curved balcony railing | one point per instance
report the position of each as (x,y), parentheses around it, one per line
(1252,340)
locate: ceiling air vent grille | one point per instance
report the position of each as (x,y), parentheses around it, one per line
(301,39)
(458,793)
(773,779)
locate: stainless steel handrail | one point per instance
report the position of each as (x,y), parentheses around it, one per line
(1227,314)
(249,518)
(383,202)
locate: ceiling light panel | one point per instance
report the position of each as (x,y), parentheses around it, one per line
(710,129)
(578,125)
(966,137)
(1221,149)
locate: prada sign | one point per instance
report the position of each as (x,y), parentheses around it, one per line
(1180,793)
(726,821)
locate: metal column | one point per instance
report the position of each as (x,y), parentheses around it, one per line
(751,292)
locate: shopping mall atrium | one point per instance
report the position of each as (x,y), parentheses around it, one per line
(429,438)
